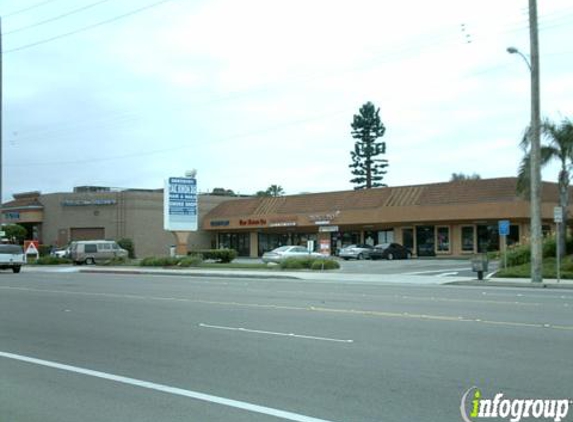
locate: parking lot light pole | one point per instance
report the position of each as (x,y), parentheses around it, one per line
(534,137)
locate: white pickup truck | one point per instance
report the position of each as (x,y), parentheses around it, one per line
(11,256)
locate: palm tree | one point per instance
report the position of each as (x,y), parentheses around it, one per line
(559,147)
(275,190)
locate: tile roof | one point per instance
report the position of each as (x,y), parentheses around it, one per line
(22,203)
(451,193)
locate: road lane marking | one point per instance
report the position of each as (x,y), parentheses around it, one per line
(273,333)
(448,274)
(250,407)
(385,314)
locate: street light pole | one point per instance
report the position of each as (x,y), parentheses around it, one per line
(536,235)
(534,138)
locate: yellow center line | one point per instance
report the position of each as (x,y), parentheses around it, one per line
(359,312)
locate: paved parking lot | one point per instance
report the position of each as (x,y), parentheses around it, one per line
(424,266)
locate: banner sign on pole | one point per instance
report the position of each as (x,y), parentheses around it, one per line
(180,209)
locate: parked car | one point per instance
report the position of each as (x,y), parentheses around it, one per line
(62,253)
(355,252)
(284,252)
(94,251)
(11,256)
(390,251)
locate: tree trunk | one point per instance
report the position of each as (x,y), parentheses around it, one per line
(563,203)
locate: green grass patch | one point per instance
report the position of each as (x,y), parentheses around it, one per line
(549,269)
(52,260)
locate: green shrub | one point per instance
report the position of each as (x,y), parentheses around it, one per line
(219,255)
(52,260)
(549,247)
(325,264)
(128,245)
(163,261)
(44,250)
(116,261)
(296,263)
(191,261)
(518,255)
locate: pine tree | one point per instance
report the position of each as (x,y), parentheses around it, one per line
(366,129)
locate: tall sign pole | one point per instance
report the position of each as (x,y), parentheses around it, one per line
(536,235)
(180,208)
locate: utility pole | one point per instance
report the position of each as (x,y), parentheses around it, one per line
(1,128)
(536,235)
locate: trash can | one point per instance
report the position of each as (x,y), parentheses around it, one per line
(479,265)
(172,251)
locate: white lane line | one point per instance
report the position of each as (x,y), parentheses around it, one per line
(272,333)
(441,270)
(167,389)
(447,274)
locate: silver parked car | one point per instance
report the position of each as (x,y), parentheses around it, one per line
(355,252)
(284,252)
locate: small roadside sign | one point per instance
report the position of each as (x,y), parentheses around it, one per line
(558,215)
(503,226)
(31,247)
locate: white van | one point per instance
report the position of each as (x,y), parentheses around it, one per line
(94,251)
(11,256)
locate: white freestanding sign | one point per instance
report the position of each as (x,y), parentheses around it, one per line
(180,209)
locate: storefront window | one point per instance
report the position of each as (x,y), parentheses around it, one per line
(443,238)
(513,237)
(386,236)
(342,239)
(370,237)
(488,238)
(270,241)
(408,238)
(241,242)
(468,239)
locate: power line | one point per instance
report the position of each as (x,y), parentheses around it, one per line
(17,12)
(55,18)
(183,147)
(86,28)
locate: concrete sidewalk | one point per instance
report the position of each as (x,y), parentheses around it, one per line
(515,282)
(316,276)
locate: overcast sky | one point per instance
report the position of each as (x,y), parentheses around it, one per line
(259,92)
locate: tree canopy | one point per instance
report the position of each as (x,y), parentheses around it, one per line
(367,127)
(272,190)
(462,176)
(558,146)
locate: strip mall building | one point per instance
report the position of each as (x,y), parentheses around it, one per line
(449,219)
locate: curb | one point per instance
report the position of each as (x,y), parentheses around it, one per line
(510,284)
(187,274)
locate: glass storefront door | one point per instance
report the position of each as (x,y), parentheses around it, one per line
(241,242)
(426,240)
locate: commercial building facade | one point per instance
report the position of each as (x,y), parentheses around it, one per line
(443,219)
(103,213)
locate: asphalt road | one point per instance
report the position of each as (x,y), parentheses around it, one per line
(87,347)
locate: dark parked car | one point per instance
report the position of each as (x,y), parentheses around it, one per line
(390,251)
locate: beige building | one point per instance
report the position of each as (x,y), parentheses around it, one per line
(102,213)
(449,219)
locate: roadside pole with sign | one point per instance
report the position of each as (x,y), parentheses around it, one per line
(180,210)
(31,247)
(558,219)
(503,227)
